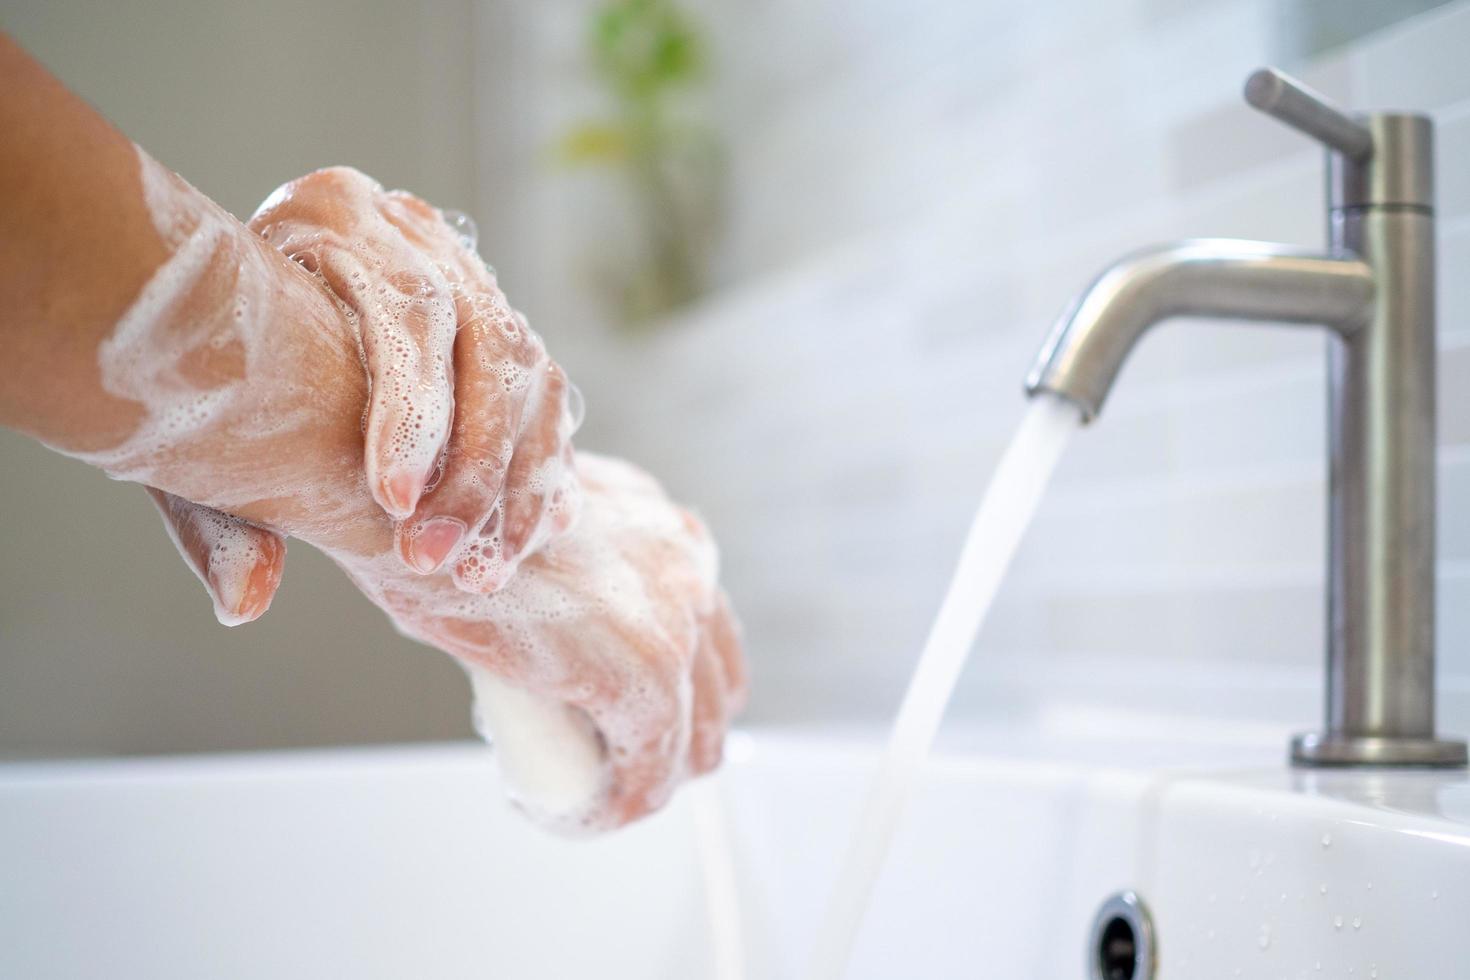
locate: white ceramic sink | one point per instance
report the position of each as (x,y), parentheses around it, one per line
(405,863)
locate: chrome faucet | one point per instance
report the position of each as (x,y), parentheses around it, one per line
(1374,291)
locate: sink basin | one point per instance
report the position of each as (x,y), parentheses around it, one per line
(404,862)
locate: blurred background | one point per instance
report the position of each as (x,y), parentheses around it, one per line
(798,257)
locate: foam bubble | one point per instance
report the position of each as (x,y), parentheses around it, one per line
(464,227)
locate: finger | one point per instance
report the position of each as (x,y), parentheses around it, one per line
(645,771)
(631,684)
(331,223)
(479,296)
(408,322)
(634,685)
(724,634)
(538,496)
(424,225)
(239,563)
(647,726)
(489,396)
(709,709)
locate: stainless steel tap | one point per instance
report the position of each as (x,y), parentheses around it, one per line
(1374,292)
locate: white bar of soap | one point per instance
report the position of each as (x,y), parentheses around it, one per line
(549,753)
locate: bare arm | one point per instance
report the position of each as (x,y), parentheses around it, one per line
(76,245)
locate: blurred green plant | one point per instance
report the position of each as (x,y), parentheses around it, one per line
(652,61)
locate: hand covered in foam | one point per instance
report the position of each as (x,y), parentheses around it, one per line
(608,668)
(464,400)
(431,313)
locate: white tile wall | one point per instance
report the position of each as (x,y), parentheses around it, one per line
(917,192)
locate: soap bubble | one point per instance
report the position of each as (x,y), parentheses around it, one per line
(464,227)
(576,406)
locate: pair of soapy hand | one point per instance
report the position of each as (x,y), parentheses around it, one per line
(583,602)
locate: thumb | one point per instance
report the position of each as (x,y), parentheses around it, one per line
(238,562)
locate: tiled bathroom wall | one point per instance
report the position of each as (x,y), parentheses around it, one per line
(915,195)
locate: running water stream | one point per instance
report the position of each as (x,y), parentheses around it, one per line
(1005,511)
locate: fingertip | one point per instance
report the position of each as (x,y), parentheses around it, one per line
(432,543)
(397,492)
(244,598)
(265,578)
(402,452)
(477,575)
(228,618)
(412,403)
(237,617)
(708,756)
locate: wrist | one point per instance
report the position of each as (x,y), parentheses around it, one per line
(244,373)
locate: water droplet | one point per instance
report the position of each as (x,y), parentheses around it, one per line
(1264,940)
(1323,889)
(576,406)
(1370,886)
(1317,965)
(1337,922)
(1434,894)
(1326,841)
(1357,922)
(464,227)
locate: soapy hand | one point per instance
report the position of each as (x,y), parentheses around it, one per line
(468,418)
(605,668)
(617,630)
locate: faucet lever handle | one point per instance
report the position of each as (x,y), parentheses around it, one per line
(1280,95)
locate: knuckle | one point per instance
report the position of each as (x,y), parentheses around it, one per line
(335,181)
(406,205)
(554,384)
(482,464)
(481,437)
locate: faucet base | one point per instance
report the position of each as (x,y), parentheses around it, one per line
(1337,749)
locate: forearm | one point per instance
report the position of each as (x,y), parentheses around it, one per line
(250,380)
(92,371)
(76,244)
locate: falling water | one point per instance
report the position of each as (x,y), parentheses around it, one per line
(1005,511)
(715,850)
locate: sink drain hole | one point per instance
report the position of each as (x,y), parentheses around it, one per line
(1122,944)
(1117,952)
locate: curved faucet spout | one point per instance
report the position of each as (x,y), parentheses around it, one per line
(1210,277)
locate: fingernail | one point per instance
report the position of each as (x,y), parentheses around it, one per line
(434,542)
(401,492)
(243,596)
(260,589)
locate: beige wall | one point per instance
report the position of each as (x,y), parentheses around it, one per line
(106,641)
